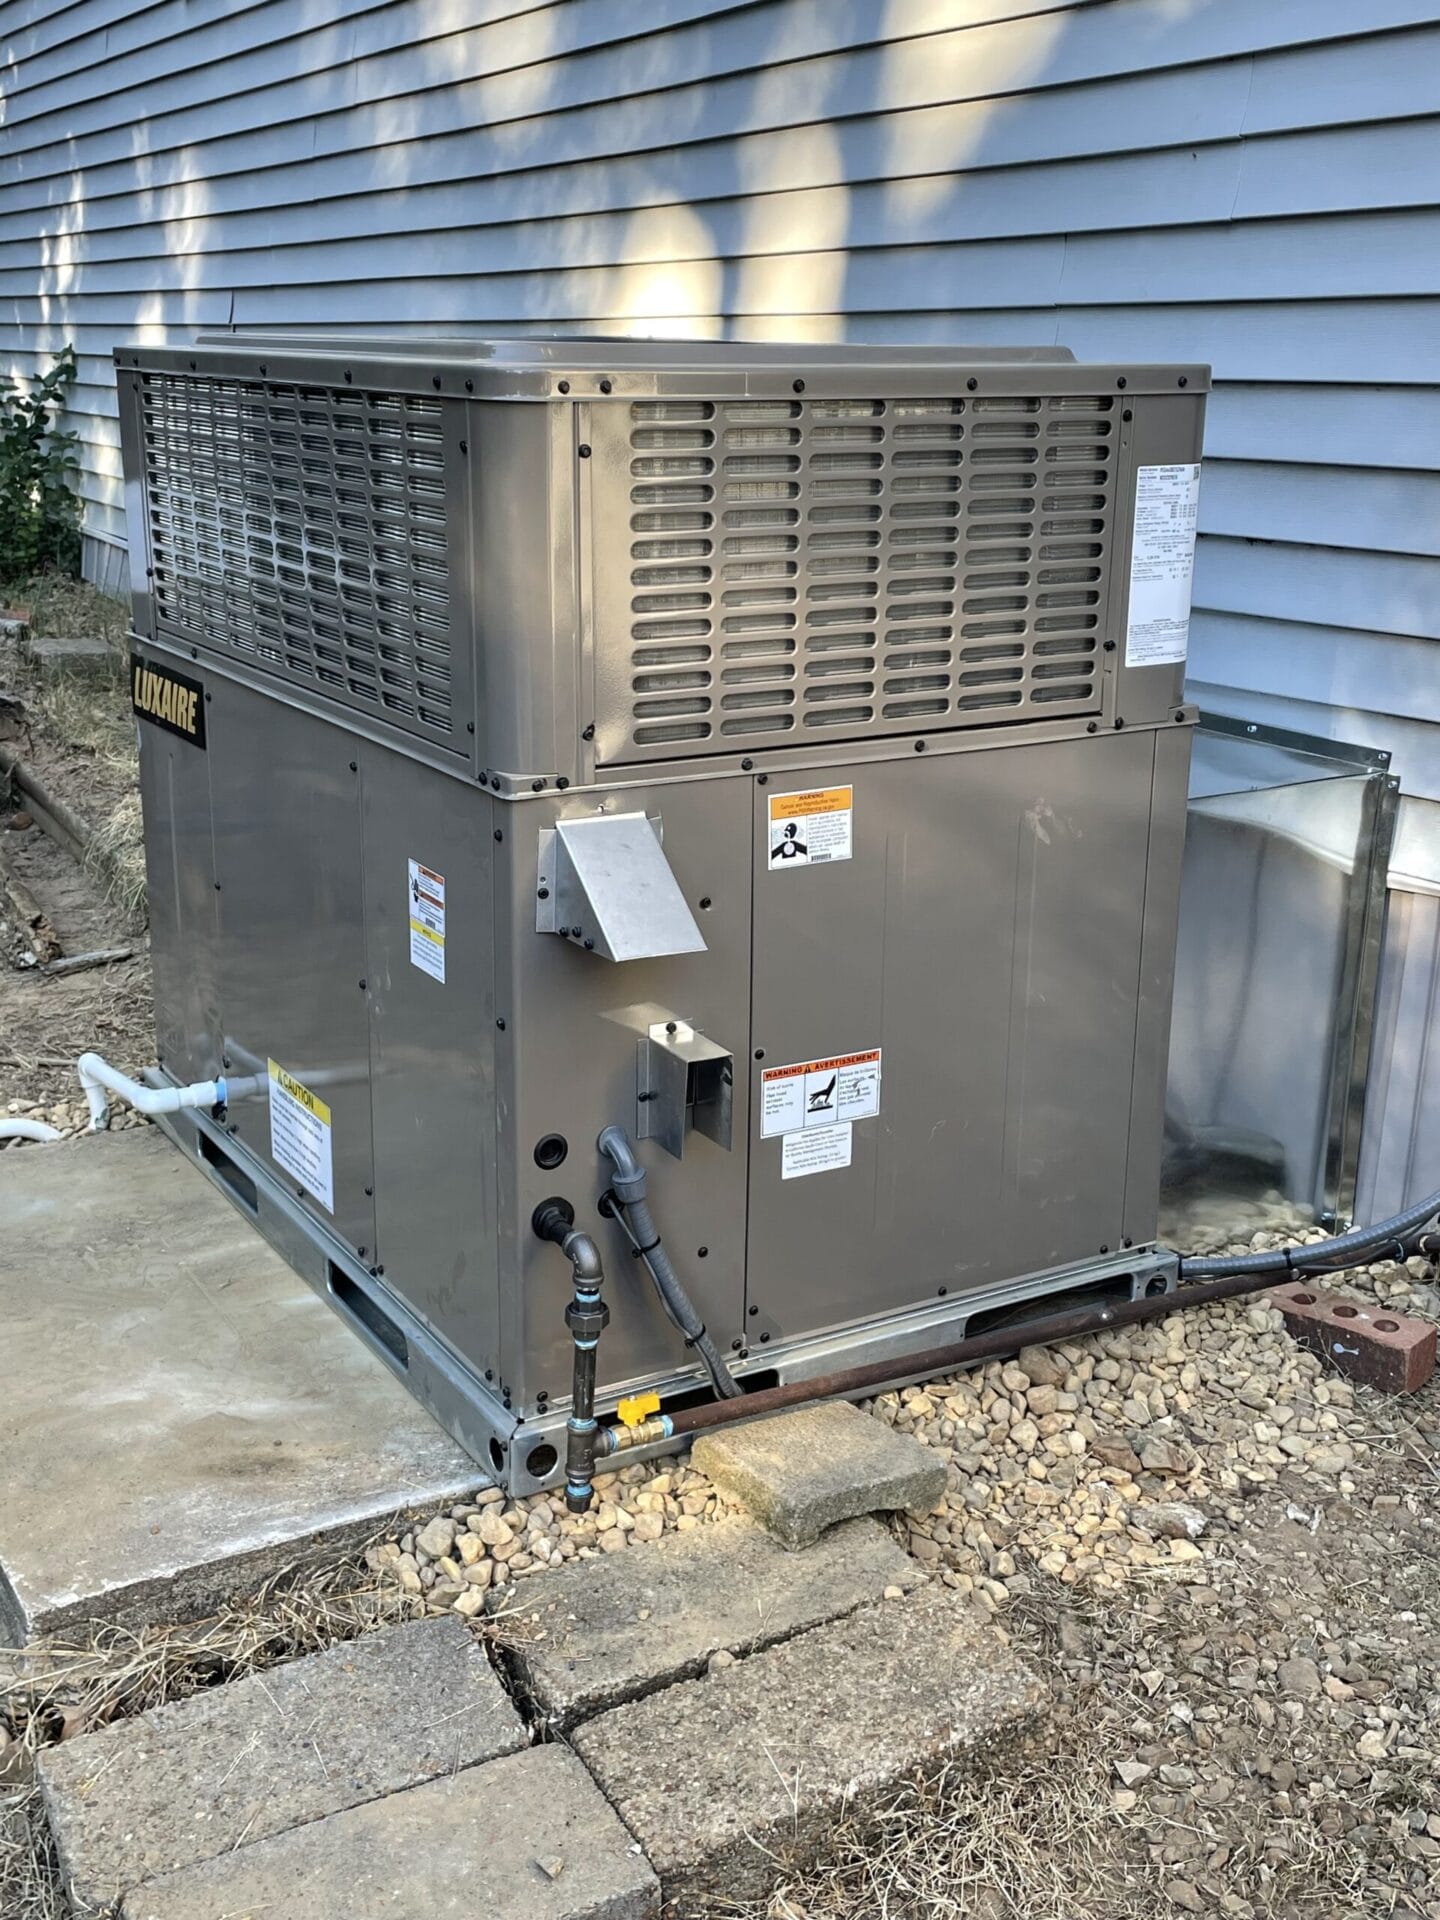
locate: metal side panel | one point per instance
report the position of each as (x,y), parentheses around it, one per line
(292,937)
(432,1034)
(568,1064)
(180,873)
(986,937)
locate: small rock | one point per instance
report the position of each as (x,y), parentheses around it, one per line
(1041,1367)
(1171,1520)
(1162,1456)
(490,1528)
(1132,1772)
(1300,1677)
(437,1538)
(719,1660)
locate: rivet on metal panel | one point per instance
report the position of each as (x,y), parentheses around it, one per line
(1109,646)
(469,726)
(759,1053)
(362,986)
(349,378)
(1118,723)
(369,1193)
(537,786)
(562,783)
(499,835)
(1127,414)
(501,1025)
(746,765)
(1184,381)
(354,766)
(564,386)
(798,386)
(1122,381)
(435,381)
(464,446)
(972,383)
(941,1292)
(763,781)
(469,386)
(583,450)
(542,893)
(705,903)
(1092,726)
(605,386)
(919,746)
(589,733)
(702,1253)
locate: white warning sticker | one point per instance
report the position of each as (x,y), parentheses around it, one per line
(811,829)
(300,1136)
(1162,565)
(817,1150)
(819,1093)
(427,921)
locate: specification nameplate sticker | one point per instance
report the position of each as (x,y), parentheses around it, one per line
(811,829)
(427,921)
(817,1150)
(1162,565)
(812,1094)
(300,1136)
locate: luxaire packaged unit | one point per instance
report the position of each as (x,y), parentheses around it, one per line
(771,759)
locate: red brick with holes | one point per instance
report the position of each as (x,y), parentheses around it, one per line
(1386,1350)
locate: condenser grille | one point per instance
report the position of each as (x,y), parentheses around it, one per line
(803,570)
(303,530)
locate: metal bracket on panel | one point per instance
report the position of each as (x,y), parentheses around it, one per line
(605,885)
(683,1080)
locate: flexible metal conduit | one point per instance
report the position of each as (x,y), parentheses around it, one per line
(1001,1341)
(633,1214)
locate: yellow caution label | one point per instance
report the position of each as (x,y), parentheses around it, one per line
(637,1408)
(289,1084)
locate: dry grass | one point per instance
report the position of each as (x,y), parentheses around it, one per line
(90,723)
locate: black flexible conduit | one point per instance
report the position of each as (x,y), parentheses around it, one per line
(1323,1256)
(633,1213)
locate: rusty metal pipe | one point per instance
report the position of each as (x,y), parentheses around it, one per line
(992,1345)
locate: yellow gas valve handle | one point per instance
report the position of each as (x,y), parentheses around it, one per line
(637,1407)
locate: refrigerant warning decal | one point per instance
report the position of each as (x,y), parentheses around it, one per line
(813,1094)
(810,829)
(427,921)
(300,1136)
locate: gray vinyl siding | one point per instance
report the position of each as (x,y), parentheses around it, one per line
(1249,185)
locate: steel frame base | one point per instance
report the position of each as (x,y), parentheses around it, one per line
(525,1452)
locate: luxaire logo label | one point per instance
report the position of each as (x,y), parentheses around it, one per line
(168,699)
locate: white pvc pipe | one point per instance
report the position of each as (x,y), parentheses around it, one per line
(97,1076)
(28,1130)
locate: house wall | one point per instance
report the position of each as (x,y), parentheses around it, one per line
(1201,179)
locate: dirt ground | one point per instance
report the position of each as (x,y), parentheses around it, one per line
(79,740)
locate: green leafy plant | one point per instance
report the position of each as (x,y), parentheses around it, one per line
(39,512)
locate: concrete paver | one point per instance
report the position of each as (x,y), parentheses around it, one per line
(528,1838)
(181,1414)
(803,1471)
(227,1768)
(722,1777)
(603,1631)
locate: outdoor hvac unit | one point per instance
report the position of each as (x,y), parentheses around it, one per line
(775,752)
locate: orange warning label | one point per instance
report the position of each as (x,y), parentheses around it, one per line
(820,1093)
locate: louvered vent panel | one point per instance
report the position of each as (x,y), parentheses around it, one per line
(844,568)
(303,530)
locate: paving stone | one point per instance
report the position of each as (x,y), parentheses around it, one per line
(613,1629)
(802,1472)
(528,1838)
(273,1751)
(72,657)
(721,1778)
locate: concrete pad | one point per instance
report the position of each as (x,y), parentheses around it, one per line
(181,1415)
(612,1629)
(529,1838)
(803,1471)
(239,1763)
(723,1779)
